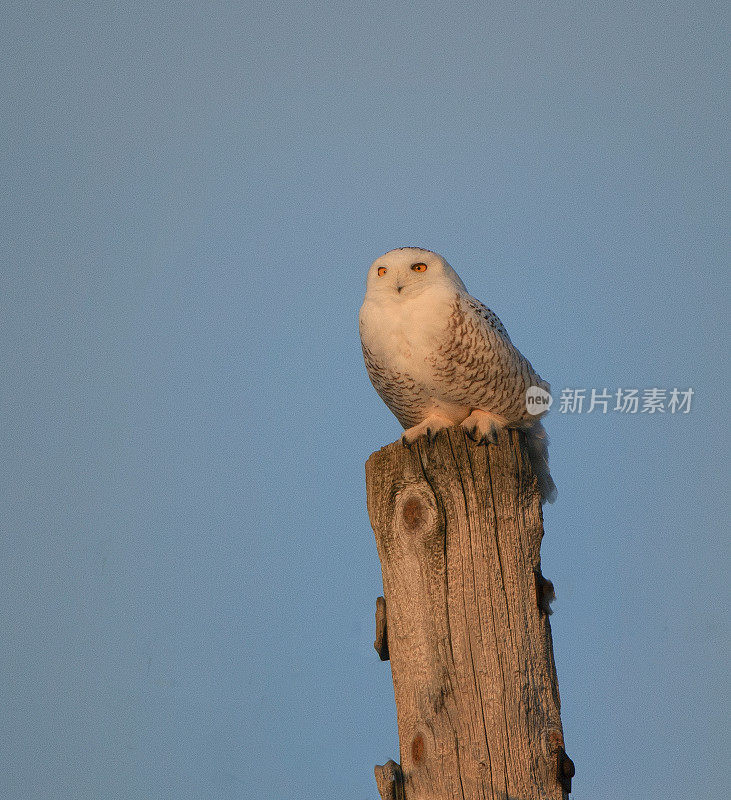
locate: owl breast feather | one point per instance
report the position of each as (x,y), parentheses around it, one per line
(450,354)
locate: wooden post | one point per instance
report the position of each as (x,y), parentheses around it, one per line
(465,623)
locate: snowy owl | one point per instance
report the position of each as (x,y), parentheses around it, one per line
(438,357)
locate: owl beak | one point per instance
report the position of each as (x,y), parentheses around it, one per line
(399,288)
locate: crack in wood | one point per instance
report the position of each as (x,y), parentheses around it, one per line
(458,528)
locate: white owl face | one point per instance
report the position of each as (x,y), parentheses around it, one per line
(407,271)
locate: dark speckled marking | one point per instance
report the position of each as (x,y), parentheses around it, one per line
(479,366)
(476,367)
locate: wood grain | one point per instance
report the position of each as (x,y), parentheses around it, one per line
(458,528)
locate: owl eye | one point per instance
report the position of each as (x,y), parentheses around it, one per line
(419,267)
(382,271)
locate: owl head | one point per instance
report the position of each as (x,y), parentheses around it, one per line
(407,271)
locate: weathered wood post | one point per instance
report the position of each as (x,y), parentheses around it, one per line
(465,622)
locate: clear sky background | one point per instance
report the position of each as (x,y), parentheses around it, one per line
(192,194)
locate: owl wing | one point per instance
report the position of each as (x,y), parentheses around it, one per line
(477,364)
(490,317)
(398,390)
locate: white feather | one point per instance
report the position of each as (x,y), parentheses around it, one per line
(439,357)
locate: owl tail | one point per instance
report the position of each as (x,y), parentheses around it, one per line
(538,454)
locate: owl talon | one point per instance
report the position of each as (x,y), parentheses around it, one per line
(483,427)
(430,427)
(416,381)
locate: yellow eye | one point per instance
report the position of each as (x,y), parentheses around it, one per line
(382,271)
(419,267)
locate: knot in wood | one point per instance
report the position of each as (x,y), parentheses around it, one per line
(415,511)
(552,743)
(417,748)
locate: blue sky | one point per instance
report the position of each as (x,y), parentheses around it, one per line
(193,196)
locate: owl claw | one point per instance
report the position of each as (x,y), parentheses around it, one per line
(429,428)
(482,427)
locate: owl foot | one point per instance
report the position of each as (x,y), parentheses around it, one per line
(483,427)
(430,427)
